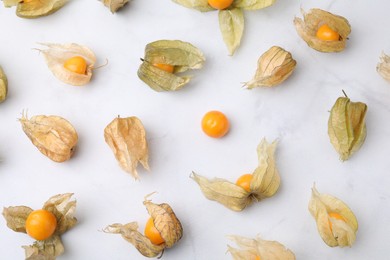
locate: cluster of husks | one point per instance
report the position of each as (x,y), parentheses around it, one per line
(264,184)
(308,27)
(63,209)
(35,8)
(166,222)
(336,223)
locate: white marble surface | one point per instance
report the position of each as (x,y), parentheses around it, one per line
(296,113)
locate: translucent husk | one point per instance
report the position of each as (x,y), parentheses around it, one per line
(347,126)
(383,66)
(164,220)
(264,184)
(231,19)
(127,139)
(54,136)
(3,85)
(35,8)
(56,55)
(273,67)
(307,29)
(252,249)
(341,232)
(182,55)
(63,209)
(115,5)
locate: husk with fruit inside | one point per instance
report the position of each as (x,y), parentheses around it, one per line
(35,8)
(3,85)
(252,249)
(115,5)
(312,20)
(264,184)
(273,67)
(165,221)
(347,126)
(182,55)
(343,232)
(54,136)
(55,56)
(127,139)
(383,66)
(63,208)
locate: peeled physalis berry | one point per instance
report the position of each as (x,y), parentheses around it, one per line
(325,33)
(220,4)
(215,124)
(76,64)
(41,224)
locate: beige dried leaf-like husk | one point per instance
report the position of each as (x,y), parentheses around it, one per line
(383,67)
(182,55)
(265,182)
(35,8)
(307,29)
(127,139)
(342,233)
(3,85)
(115,5)
(273,67)
(347,126)
(200,5)
(63,209)
(251,249)
(54,136)
(56,55)
(253,4)
(164,220)
(231,24)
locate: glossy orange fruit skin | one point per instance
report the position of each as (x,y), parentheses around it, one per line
(220,4)
(325,33)
(165,67)
(76,64)
(215,124)
(41,224)
(245,181)
(152,233)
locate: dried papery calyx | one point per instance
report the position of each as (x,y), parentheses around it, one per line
(62,207)
(336,223)
(163,61)
(71,63)
(114,5)
(35,8)
(383,66)
(273,67)
(347,126)
(258,249)
(230,15)
(166,223)
(54,136)
(264,183)
(313,21)
(127,139)
(3,85)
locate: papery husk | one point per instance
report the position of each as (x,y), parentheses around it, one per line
(252,249)
(182,55)
(127,139)
(342,233)
(164,220)
(383,67)
(273,67)
(253,4)
(265,182)
(307,29)
(3,85)
(35,8)
(231,24)
(200,5)
(54,136)
(63,209)
(115,5)
(347,126)
(56,55)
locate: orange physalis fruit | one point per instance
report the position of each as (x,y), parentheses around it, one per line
(152,233)
(335,216)
(76,64)
(215,124)
(220,4)
(245,182)
(165,67)
(41,224)
(326,33)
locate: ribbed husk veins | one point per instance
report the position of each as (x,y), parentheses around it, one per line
(333,231)
(347,126)
(383,66)
(63,208)
(181,55)
(264,184)
(312,20)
